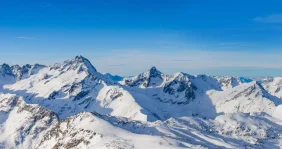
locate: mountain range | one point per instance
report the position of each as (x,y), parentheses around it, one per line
(72,105)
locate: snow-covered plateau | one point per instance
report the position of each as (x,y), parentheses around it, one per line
(70,105)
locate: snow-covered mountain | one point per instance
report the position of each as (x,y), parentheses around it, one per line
(273,85)
(150,78)
(227,82)
(75,86)
(23,125)
(11,74)
(72,105)
(114,77)
(247,98)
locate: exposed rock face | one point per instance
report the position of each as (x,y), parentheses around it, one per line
(180,84)
(79,64)
(35,68)
(91,130)
(23,125)
(5,70)
(230,82)
(20,72)
(150,78)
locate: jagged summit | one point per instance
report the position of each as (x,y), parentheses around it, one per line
(153,68)
(150,78)
(5,69)
(228,82)
(181,75)
(79,63)
(154,72)
(80,59)
(20,72)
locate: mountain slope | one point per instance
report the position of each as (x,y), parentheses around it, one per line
(273,85)
(21,124)
(248,97)
(91,130)
(86,130)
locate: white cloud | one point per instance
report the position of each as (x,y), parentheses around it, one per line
(25,37)
(117,65)
(174,61)
(231,43)
(275,18)
(47,5)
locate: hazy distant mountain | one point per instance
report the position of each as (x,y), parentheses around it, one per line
(114,77)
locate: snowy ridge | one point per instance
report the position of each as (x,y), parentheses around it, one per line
(230,82)
(19,72)
(72,105)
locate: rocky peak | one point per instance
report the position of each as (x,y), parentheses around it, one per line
(26,67)
(181,76)
(15,68)
(5,69)
(85,63)
(79,64)
(152,77)
(25,71)
(35,68)
(232,81)
(180,86)
(256,90)
(228,82)
(153,72)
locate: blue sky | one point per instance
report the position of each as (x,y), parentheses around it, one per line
(126,37)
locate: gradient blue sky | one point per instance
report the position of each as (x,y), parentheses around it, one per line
(126,37)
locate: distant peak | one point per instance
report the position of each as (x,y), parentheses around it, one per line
(6,69)
(153,68)
(182,76)
(5,65)
(79,63)
(80,59)
(26,66)
(114,77)
(38,65)
(154,72)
